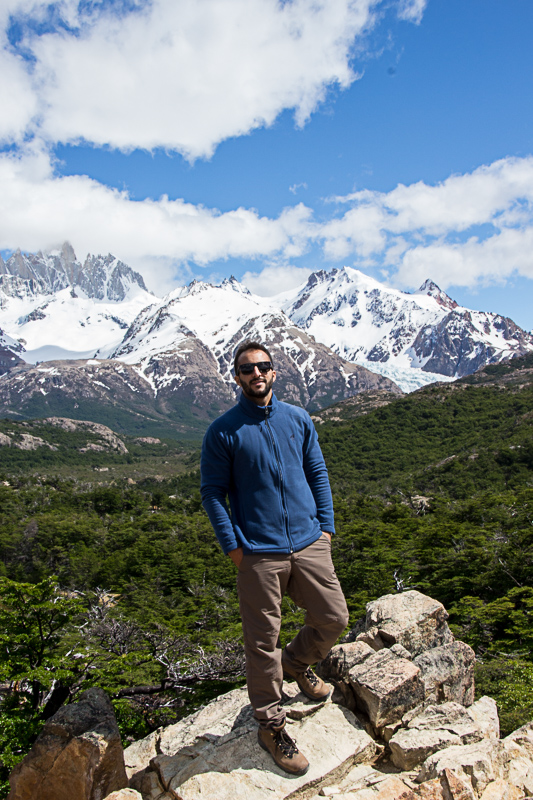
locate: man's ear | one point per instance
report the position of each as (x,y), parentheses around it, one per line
(237,380)
(273,376)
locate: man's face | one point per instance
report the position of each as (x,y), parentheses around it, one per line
(257,386)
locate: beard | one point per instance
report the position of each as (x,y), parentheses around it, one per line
(260,391)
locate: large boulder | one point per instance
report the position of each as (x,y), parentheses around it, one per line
(434,728)
(411,619)
(448,673)
(476,764)
(386,687)
(78,754)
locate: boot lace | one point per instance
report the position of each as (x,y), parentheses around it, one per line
(311,677)
(285,743)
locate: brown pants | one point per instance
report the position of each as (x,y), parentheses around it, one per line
(308,577)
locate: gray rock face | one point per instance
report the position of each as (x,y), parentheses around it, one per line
(78,755)
(448,673)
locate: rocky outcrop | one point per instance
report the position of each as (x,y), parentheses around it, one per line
(214,753)
(77,756)
(385,733)
(392,730)
(404,655)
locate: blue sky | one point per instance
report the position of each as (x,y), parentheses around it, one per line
(266,140)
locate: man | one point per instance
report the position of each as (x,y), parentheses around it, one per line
(264,455)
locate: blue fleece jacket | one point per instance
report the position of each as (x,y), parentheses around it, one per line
(268,462)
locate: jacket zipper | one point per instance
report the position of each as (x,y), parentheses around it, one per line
(281,484)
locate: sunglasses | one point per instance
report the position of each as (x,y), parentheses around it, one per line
(262,366)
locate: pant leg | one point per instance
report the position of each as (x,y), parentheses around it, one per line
(314,586)
(261,584)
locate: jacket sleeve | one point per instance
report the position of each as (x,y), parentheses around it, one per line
(216,473)
(316,474)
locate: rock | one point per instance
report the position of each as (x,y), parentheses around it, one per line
(372,638)
(476,765)
(501,790)
(448,673)
(431,790)
(357,778)
(78,754)
(148,784)
(523,736)
(410,747)
(391,788)
(400,651)
(5,440)
(518,768)
(344,696)
(124,794)
(234,766)
(297,705)
(139,754)
(452,717)
(411,619)
(210,723)
(485,714)
(342,658)
(386,687)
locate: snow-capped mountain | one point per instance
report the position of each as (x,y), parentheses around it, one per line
(411,338)
(9,350)
(154,358)
(167,338)
(57,308)
(111,344)
(99,277)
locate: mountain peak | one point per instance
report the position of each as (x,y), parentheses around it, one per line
(100,277)
(430,288)
(233,283)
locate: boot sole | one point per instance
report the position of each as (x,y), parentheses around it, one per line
(289,772)
(288,677)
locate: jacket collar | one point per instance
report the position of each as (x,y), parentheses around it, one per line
(258,412)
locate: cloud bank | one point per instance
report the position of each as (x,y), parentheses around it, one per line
(468,230)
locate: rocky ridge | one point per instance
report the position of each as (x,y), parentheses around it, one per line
(100,277)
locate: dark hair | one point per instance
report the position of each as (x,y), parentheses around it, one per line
(242,348)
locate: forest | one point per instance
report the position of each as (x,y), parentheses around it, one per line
(110,573)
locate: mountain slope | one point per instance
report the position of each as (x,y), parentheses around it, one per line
(171,373)
(400,334)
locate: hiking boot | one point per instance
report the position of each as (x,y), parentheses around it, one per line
(283,750)
(308,682)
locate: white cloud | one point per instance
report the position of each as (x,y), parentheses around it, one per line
(40,210)
(473,263)
(466,231)
(182,75)
(412,10)
(423,231)
(275,279)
